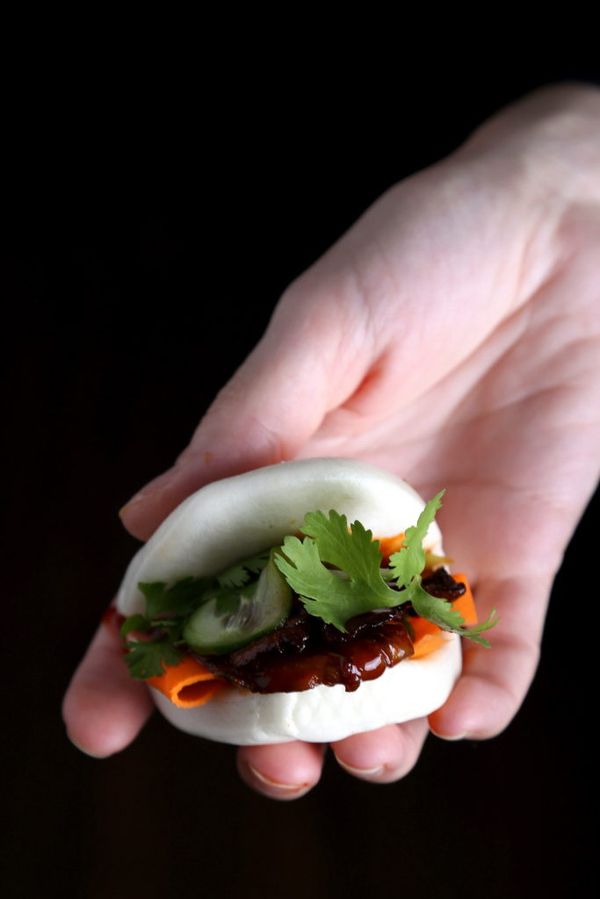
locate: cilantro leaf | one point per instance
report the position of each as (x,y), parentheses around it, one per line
(434,608)
(135,623)
(182,598)
(335,597)
(354,552)
(166,609)
(440,612)
(238,575)
(409,561)
(473,633)
(146,658)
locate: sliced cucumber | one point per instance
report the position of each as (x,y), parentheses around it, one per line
(235,617)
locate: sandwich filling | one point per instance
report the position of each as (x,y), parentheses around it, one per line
(331,605)
(305,652)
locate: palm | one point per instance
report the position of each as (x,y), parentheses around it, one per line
(501,444)
(507,426)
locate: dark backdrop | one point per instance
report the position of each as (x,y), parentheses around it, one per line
(133,285)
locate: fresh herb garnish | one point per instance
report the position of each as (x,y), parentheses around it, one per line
(240,574)
(181,598)
(324,593)
(361,585)
(169,607)
(440,612)
(135,623)
(409,561)
(146,657)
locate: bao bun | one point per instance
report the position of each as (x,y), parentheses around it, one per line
(232,519)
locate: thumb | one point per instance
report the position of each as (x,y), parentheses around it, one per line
(310,359)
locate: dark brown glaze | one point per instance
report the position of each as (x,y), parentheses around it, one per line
(293,636)
(308,653)
(440,583)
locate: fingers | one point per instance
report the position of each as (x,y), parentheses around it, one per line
(494,681)
(383,755)
(305,364)
(104,709)
(283,771)
(289,770)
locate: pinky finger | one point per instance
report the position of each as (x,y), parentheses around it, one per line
(103,708)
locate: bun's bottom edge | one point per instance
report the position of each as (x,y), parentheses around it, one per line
(411,689)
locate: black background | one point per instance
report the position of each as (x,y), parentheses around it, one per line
(134,281)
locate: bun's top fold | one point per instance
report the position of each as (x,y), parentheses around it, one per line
(229,520)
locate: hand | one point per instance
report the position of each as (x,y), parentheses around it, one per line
(451,336)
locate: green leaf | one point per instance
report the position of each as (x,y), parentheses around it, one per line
(409,561)
(441,612)
(135,623)
(433,608)
(354,552)
(335,596)
(147,658)
(182,598)
(240,574)
(155,597)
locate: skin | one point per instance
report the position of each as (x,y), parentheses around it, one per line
(452,336)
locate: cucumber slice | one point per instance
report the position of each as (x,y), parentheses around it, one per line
(235,617)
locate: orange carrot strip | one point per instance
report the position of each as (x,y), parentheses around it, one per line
(428,643)
(428,636)
(465,604)
(188,683)
(390,545)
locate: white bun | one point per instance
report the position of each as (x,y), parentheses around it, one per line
(229,520)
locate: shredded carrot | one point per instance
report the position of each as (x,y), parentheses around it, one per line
(188,683)
(428,636)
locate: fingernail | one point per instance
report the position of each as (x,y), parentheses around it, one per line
(361,772)
(134,501)
(150,490)
(140,497)
(450,737)
(288,789)
(81,749)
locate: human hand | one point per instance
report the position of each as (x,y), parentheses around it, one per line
(451,336)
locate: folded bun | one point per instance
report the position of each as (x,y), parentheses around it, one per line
(229,520)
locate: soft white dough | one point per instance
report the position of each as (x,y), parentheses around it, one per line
(229,520)
(409,690)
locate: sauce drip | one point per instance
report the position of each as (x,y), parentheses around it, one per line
(348,664)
